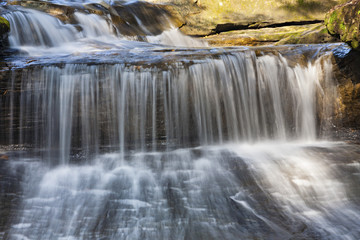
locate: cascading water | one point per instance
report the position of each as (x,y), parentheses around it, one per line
(37,33)
(129,140)
(224,100)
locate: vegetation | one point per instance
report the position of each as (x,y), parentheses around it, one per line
(343,21)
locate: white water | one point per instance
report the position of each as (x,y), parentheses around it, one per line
(94,26)
(270,190)
(39,34)
(30,27)
(174,37)
(230,99)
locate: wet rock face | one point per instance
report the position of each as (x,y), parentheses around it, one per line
(343,21)
(132,18)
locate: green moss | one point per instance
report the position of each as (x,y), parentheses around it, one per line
(355,44)
(324,31)
(333,17)
(4,21)
(342,26)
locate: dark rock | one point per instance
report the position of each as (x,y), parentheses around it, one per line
(347,73)
(142,18)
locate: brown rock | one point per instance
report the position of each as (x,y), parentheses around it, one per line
(203,17)
(347,73)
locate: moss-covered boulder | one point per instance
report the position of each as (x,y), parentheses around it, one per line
(343,21)
(4,30)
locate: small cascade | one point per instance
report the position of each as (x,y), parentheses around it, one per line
(37,33)
(94,26)
(174,37)
(33,28)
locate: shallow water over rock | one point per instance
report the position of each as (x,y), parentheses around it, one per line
(269,190)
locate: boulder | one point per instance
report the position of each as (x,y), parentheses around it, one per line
(343,21)
(205,17)
(4,30)
(301,34)
(347,73)
(142,18)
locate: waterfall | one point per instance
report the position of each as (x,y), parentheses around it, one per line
(105,137)
(236,98)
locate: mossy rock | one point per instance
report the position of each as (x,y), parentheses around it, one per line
(4,25)
(343,22)
(314,35)
(4,30)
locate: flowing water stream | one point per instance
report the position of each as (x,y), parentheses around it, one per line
(105,137)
